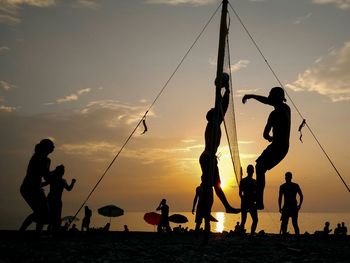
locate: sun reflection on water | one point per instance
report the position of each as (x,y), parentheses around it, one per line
(219,226)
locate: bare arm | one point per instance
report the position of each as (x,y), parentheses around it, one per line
(267,130)
(195,201)
(301,197)
(280,200)
(70,187)
(259,98)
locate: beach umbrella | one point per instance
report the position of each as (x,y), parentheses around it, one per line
(152,218)
(110,211)
(69,219)
(177,218)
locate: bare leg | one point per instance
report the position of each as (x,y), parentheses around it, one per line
(26,223)
(260,185)
(295,225)
(254,214)
(222,197)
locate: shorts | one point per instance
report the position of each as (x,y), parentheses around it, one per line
(204,161)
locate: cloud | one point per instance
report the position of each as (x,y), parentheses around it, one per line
(92,4)
(3,49)
(71,97)
(328,76)
(5,85)
(239,65)
(10,9)
(7,109)
(341,4)
(180,2)
(301,19)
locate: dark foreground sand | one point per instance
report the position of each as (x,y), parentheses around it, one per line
(177,247)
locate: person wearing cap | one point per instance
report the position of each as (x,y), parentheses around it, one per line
(277,132)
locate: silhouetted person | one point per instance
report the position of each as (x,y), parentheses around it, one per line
(31,188)
(326,229)
(202,207)
(106,227)
(289,191)
(86,220)
(238,228)
(338,230)
(57,185)
(247,192)
(74,229)
(126,229)
(277,132)
(208,160)
(164,220)
(203,204)
(344,229)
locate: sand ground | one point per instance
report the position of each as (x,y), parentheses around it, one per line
(176,247)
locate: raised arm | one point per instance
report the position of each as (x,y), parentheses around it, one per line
(259,98)
(69,187)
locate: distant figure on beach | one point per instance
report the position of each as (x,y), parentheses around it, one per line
(247,192)
(212,135)
(164,220)
(237,228)
(126,229)
(31,188)
(277,132)
(202,206)
(57,185)
(326,229)
(344,229)
(338,230)
(74,229)
(106,227)
(289,192)
(86,220)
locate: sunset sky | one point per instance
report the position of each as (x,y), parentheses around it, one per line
(83,72)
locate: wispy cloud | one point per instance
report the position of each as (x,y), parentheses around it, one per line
(7,109)
(182,2)
(4,85)
(10,9)
(301,19)
(341,4)
(243,63)
(92,4)
(328,76)
(3,49)
(72,97)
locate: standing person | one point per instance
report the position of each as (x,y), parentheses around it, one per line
(208,160)
(277,132)
(31,188)
(247,192)
(344,229)
(289,191)
(57,185)
(86,220)
(201,207)
(164,221)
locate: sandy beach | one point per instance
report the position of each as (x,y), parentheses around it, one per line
(176,247)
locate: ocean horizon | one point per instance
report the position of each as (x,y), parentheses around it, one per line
(268,221)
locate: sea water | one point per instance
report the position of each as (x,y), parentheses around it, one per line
(268,221)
